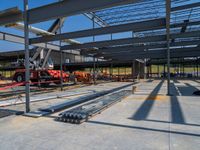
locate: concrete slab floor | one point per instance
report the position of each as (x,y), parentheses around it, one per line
(92,88)
(143,121)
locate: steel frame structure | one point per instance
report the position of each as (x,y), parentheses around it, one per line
(174,28)
(137,27)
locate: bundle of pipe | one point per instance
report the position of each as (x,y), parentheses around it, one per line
(83,113)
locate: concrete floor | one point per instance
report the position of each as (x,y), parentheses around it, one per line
(86,89)
(145,120)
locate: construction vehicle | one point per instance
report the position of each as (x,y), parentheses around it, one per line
(41,69)
(43,77)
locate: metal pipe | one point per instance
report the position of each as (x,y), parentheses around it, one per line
(27,63)
(84,112)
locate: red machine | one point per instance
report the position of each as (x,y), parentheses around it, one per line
(82,76)
(44,76)
(41,65)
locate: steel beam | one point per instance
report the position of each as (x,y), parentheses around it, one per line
(71,7)
(38,31)
(97,20)
(136,27)
(153,56)
(173,50)
(10,15)
(135,40)
(58,9)
(20,40)
(177,25)
(188,6)
(185,35)
(116,42)
(122,49)
(131,48)
(175,53)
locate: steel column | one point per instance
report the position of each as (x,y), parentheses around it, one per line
(133,69)
(94,60)
(111,70)
(94,70)
(139,74)
(27,63)
(168,15)
(145,68)
(157,71)
(61,58)
(118,74)
(197,67)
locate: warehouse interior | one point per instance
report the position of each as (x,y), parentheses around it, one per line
(117,74)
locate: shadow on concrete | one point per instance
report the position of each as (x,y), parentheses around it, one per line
(177,116)
(9,112)
(161,121)
(187,90)
(145,108)
(143,128)
(173,90)
(176,111)
(193,88)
